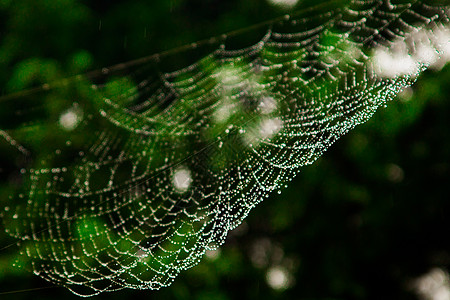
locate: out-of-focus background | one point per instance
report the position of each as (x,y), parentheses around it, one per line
(369,220)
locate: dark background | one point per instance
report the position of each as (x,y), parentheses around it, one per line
(363,222)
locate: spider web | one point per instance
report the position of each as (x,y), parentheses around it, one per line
(158,163)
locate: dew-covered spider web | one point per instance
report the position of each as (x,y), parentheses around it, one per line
(154,163)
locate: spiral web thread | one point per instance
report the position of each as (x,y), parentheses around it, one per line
(159,166)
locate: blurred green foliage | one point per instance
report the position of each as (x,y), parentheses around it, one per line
(361,223)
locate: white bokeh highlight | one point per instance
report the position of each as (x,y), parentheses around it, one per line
(71,118)
(427,47)
(182,179)
(267,105)
(284,3)
(278,278)
(434,285)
